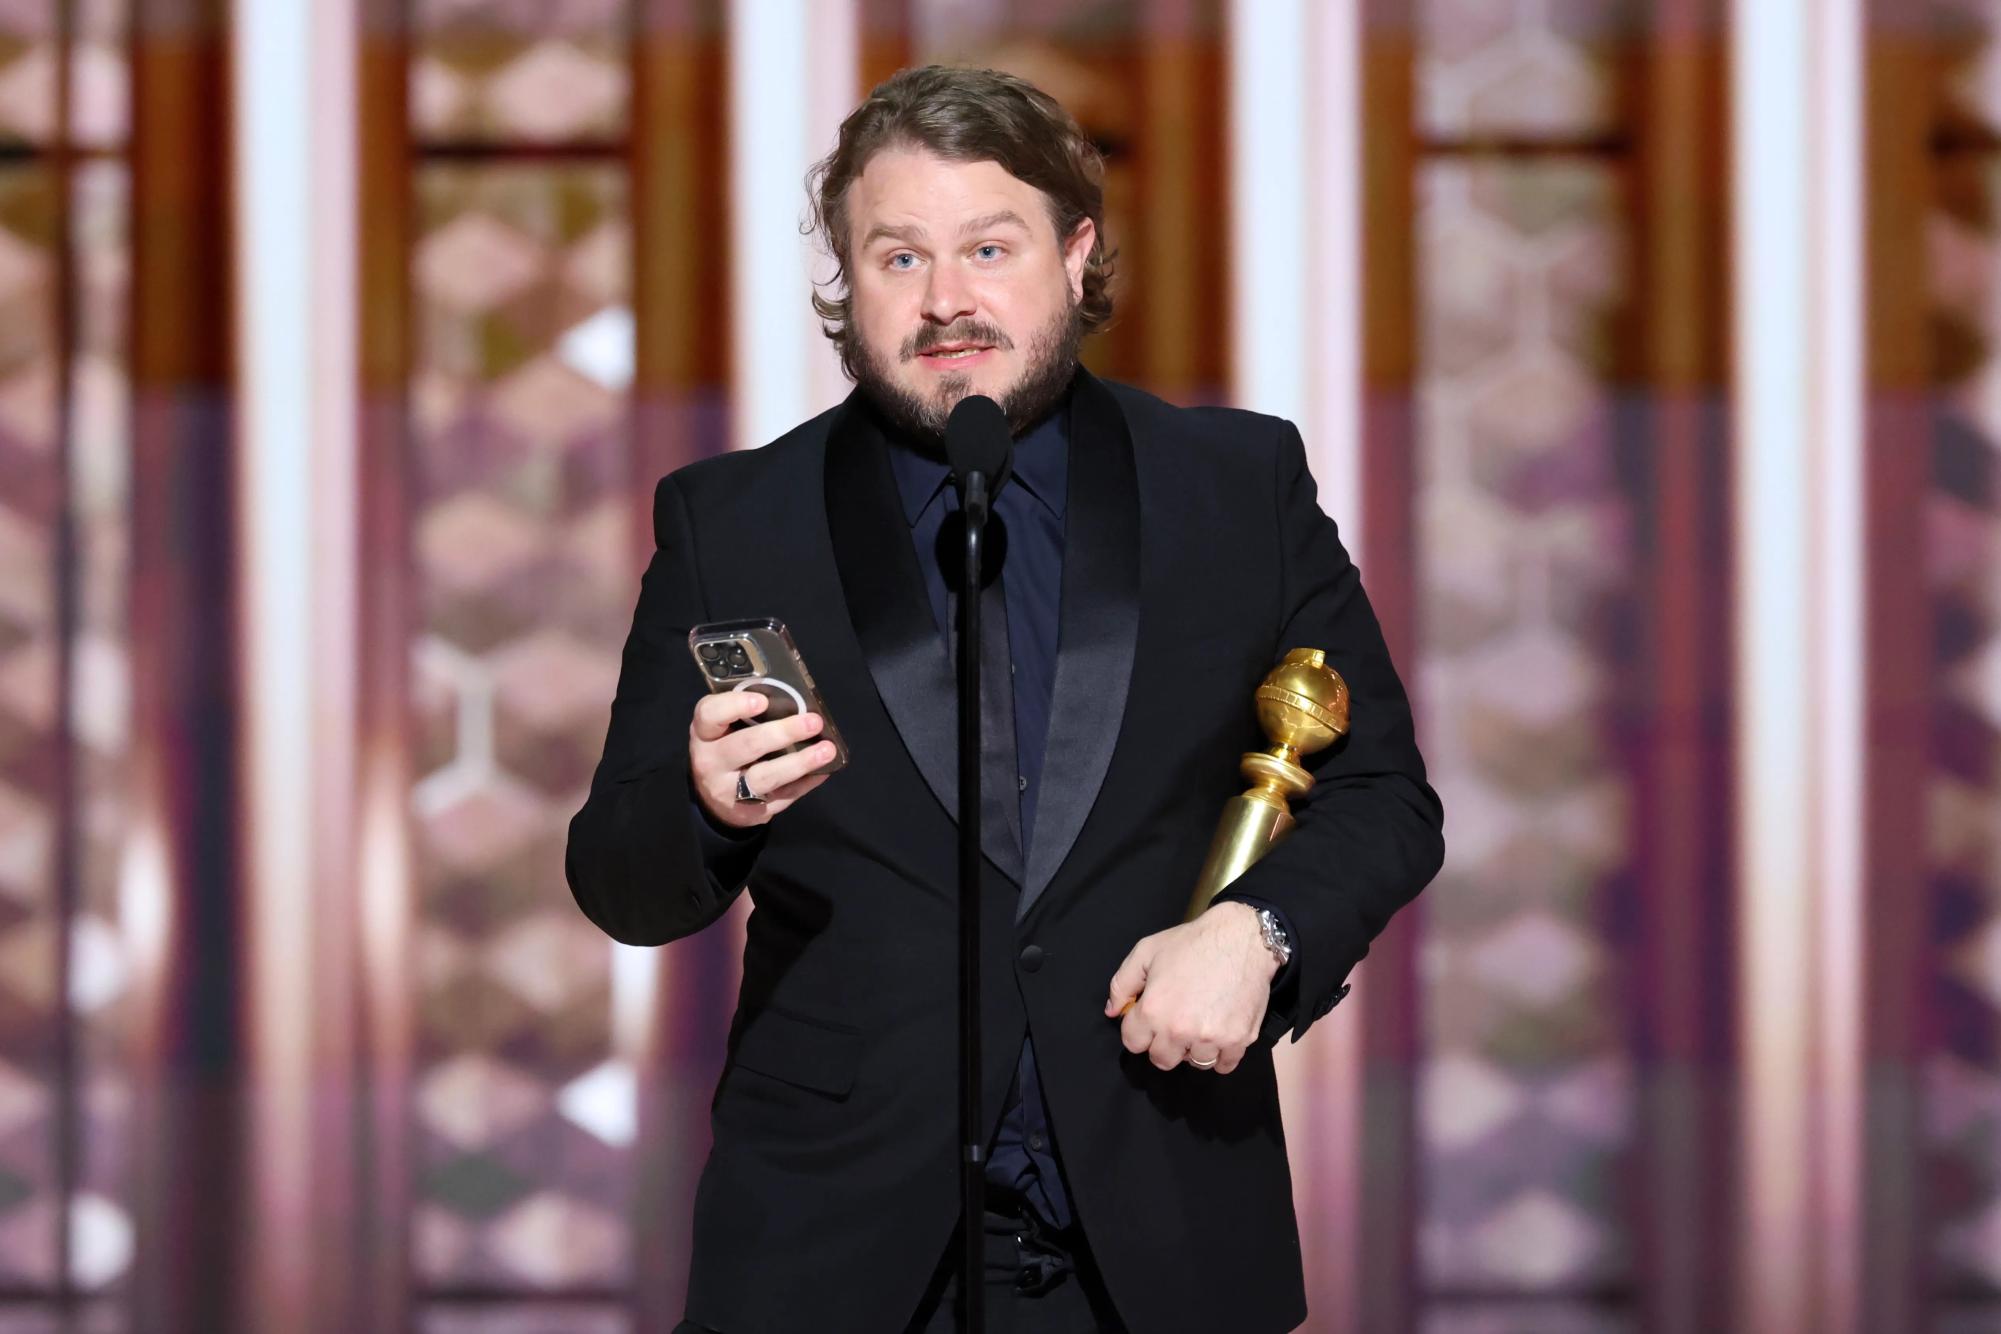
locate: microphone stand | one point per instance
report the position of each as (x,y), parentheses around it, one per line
(972,1167)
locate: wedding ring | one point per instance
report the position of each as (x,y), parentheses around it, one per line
(743,792)
(1202,1065)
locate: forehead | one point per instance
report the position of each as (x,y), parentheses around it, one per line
(913,186)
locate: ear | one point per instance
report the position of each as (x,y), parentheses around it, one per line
(1077,253)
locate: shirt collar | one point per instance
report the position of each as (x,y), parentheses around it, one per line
(1041,466)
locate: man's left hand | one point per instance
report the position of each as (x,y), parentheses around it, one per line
(1202,988)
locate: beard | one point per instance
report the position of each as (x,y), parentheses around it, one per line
(1052,362)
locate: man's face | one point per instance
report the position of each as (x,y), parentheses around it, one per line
(960,286)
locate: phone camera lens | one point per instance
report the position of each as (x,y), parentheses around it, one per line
(709,652)
(739,659)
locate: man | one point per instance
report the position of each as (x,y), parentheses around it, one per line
(1160,561)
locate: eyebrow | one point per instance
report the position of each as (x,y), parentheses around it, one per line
(914,235)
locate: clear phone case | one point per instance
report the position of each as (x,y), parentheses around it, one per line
(759,655)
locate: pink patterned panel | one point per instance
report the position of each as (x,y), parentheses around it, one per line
(100,451)
(100,74)
(1963,538)
(27,70)
(519,71)
(99,71)
(1525,1097)
(1969,91)
(1501,68)
(39,486)
(523,1108)
(31,812)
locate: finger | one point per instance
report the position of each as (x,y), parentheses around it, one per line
(1200,1056)
(1130,977)
(1136,1033)
(718,797)
(774,775)
(715,713)
(1166,1053)
(741,749)
(791,792)
(1228,1063)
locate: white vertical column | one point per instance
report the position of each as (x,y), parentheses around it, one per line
(1839,289)
(1334,236)
(837,62)
(294,164)
(1334,431)
(1271,304)
(793,66)
(1798,144)
(1295,103)
(1774,741)
(1296,232)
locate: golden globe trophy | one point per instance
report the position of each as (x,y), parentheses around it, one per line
(1303,707)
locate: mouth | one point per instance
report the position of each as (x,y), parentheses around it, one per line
(954,355)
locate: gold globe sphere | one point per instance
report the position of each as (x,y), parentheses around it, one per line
(1303,703)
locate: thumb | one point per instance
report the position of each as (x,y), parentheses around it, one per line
(1131,977)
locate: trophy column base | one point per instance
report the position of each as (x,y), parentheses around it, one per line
(1250,824)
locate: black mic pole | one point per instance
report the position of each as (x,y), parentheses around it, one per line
(978,445)
(972,1140)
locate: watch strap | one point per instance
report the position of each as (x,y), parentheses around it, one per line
(1276,940)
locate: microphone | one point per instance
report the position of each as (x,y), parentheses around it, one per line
(979,441)
(979,444)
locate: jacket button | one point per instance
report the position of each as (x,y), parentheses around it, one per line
(1031,958)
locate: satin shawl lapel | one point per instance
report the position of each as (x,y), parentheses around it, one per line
(1098,624)
(892,617)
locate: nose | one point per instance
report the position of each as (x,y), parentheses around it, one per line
(947,296)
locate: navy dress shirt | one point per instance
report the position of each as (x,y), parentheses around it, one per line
(1022,1159)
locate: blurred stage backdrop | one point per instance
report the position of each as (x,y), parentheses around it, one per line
(1647,354)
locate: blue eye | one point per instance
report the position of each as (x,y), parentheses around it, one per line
(994,248)
(901,255)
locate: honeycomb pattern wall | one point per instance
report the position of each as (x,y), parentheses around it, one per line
(1526,1109)
(519,71)
(524,579)
(64,706)
(1962,1078)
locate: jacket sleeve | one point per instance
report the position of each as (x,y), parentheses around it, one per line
(1370,833)
(637,860)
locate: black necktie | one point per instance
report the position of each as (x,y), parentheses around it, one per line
(1000,780)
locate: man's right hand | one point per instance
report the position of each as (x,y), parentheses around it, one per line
(716,755)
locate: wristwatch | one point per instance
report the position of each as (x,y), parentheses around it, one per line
(1276,940)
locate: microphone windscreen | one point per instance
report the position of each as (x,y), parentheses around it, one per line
(978,439)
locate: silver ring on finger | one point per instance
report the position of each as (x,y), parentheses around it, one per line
(1209,1064)
(743,792)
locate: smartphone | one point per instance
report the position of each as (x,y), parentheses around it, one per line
(759,655)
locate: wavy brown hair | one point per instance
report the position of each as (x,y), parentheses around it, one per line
(963,115)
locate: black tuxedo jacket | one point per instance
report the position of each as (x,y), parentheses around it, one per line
(1195,555)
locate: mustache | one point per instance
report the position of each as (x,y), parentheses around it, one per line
(931,336)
